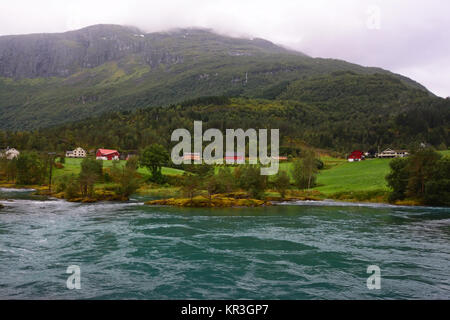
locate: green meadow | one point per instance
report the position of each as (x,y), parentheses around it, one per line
(73,166)
(338,176)
(367,175)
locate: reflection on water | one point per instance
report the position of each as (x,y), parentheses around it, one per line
(300,251)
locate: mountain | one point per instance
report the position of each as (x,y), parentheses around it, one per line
(49,79)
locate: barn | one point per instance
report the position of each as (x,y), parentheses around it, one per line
(356,155)
(107,154)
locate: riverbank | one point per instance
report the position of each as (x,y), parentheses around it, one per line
(357,182)
(216,201)
(172,196)
(100,194)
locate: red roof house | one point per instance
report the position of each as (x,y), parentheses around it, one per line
(232,157)
(107,154)
(356,155)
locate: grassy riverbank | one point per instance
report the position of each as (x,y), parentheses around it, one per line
(340,180)
(356,181)
(73,166)
(361,181)
(351,181)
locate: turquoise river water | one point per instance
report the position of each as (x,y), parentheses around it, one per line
(293,251)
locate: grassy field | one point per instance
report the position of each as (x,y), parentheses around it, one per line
(72,166)
(346,177)
(445,153)
(340,175)
(337,177)
(366,175)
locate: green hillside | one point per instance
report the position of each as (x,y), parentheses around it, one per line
(51,79)
(402,124)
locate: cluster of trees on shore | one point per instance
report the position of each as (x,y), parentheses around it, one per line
(423,177)
(31,168)
(125,179)
(248,178)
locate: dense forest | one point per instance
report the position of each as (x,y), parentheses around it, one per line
(340,112)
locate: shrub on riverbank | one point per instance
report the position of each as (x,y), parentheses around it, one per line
(216,201)
(379,196)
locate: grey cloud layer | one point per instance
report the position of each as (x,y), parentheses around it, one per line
(412,38)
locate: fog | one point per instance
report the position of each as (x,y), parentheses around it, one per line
(410,37)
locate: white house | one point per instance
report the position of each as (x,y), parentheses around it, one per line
(9,153)
(77,153)
(191,156)
(389,153)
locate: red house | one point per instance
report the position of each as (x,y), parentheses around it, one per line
(356,155)
(232,157)
(106,154)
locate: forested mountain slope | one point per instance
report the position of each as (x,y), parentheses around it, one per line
(48,79)
(413,119)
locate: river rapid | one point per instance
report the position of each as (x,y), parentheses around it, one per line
(302,250)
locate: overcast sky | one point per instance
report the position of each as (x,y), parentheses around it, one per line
(411,37)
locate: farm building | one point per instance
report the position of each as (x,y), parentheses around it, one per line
(9,153)
(389,153)
(77,153)
(191,156)
(107,154)
(356,155)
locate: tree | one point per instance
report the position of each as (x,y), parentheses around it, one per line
(226,179)
(91,172)
(8,168)
(200,169)
(71,188)
(282,182)
(310,166)
(154,158)
(437,189)
(424,177)
(212,185)
(190,185)
(31,169)
(298,174)
(397,179)
(126,177)
(304,170)
(250,179)
(421,168)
